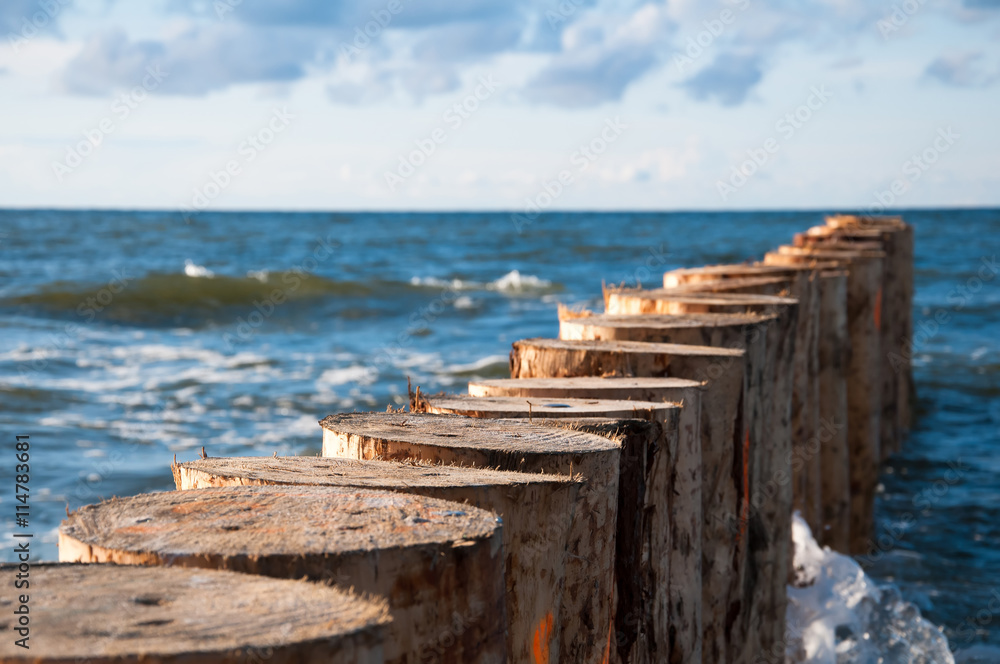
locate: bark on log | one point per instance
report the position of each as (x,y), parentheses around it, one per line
(900,345)
(864,378)
(800,284)
(686,537)
(432,560)
(537,511)
(834,359)
(729,527)
(107,613)
(897,243)
(646,589)
(827,238)
(763,337)
(583,622)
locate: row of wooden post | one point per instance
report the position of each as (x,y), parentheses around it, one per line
(626,496)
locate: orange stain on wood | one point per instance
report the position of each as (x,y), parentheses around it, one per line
(878,310)
(543,637)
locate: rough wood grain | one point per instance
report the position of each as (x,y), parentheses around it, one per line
(685,503)
(802,285)
(671,301)
(890,323)
(582,623)
(834,359)
(645,630)
(762,336)
(157,615)
(537,511)
(864,383)
(726,444)
(432,560)
(899,239)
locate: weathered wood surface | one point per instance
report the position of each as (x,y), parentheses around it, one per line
(726,444)
(864,382)
(897,243)
(516,407)
(582,624)
(644,581)
(691,275)
(802,285)
(753,285)
(685,505)
(107,613)
(671,301)
(899,239)
(762,336)
(889,323)
(834,359)
(537,512)
(432,560)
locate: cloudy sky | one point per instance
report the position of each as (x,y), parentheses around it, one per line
(499,104)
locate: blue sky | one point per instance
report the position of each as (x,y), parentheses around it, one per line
(490,104)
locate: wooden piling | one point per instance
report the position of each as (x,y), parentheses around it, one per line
(657,616)
(818,421)
(585,615)
(433,561)
(534,539)
(864,383)
(897,243)
(802,285)
(729,527)
(834,360)
(107,613)
(769,393)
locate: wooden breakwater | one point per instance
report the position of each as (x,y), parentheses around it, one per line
(626,496)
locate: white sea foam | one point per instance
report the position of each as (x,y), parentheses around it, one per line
(511,283)
(192,270)
(838,615)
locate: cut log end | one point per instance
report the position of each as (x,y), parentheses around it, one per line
(108,613)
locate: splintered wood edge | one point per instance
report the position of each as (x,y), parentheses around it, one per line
(368,474)
(458,432)
(744,269)
(675,295)
(264,522)
(629,347)
(550,407)
(587,382)
(672,321)
(112,612)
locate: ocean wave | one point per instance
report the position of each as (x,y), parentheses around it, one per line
(198,296)
(512,283)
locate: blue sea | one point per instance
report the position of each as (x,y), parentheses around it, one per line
(127,338)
